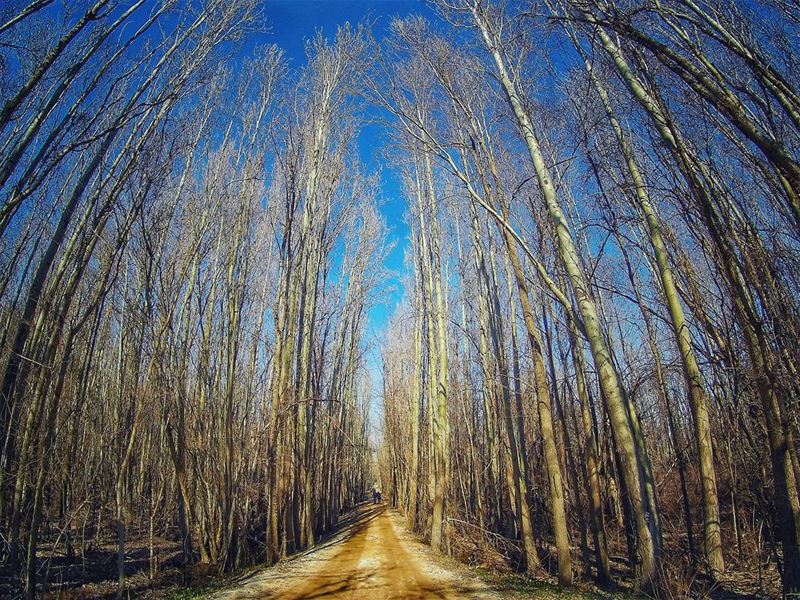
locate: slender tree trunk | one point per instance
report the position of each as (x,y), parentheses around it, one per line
(648,533)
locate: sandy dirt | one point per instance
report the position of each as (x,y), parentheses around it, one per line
(371,557)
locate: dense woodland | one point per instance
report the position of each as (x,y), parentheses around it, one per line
(593,372)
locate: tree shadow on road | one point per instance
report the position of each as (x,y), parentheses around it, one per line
(351,523)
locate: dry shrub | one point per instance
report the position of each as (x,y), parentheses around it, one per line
(475,546)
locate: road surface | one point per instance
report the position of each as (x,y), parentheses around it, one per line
(372,557)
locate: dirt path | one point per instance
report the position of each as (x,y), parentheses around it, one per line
(372,557)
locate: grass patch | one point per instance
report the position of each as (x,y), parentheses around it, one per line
(190,593)
(208,583)
(517,585)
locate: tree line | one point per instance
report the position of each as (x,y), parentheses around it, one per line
(596,349)
(190,247)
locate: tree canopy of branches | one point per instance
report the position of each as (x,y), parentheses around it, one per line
(190,250)
(617,182)
(594,370)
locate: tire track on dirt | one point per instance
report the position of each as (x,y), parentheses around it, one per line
(371,559)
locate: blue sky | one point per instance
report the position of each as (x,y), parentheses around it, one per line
(290,23)
(293,21)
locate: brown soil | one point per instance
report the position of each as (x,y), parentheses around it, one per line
(372,557)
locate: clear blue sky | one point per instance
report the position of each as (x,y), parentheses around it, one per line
(293,21)
(290,23)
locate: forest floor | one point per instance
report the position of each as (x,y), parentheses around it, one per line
(371,555)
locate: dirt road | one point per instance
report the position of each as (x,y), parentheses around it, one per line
(372,557)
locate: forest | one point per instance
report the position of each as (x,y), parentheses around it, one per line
(588,371)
